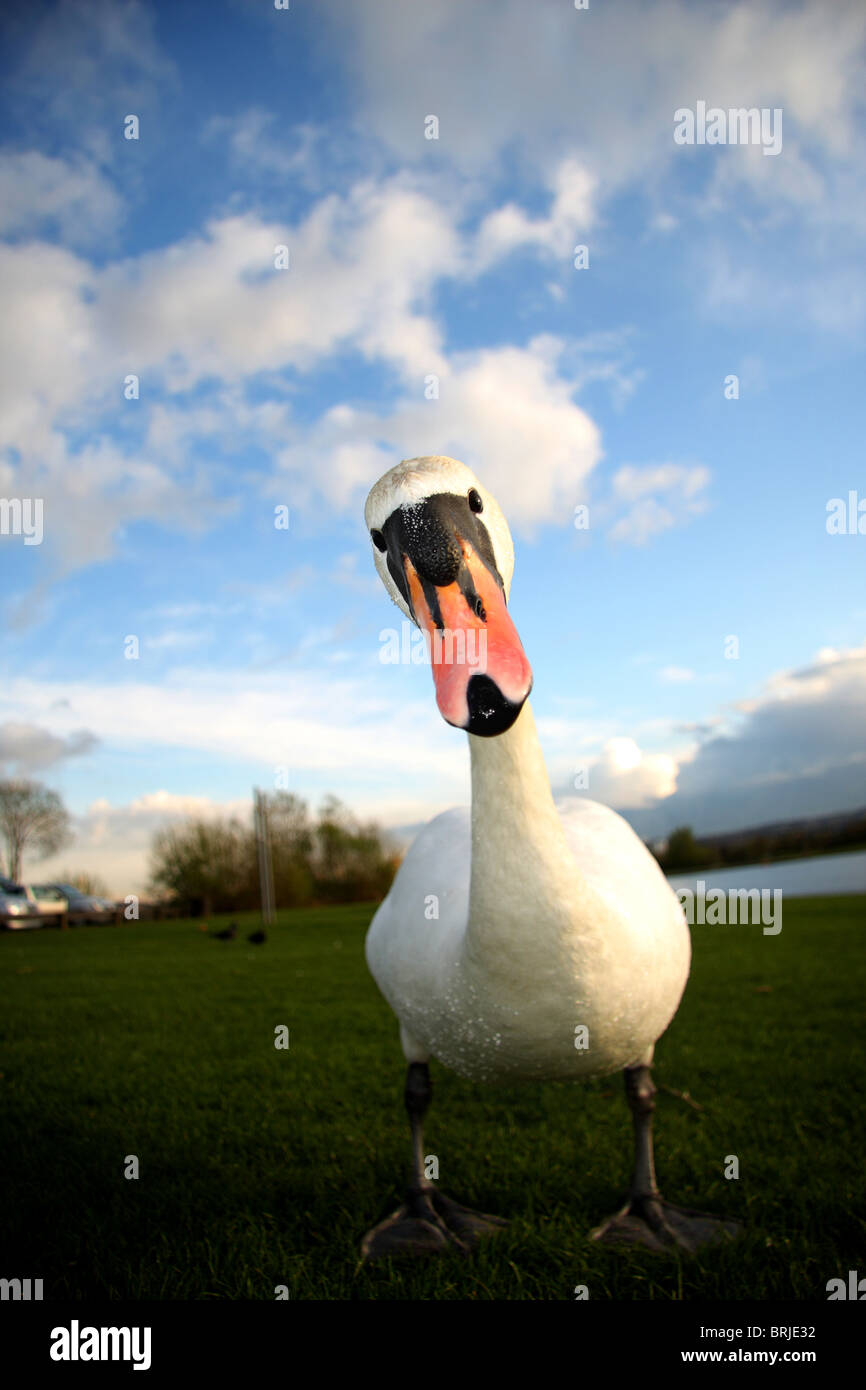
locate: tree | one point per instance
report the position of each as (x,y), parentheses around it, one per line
(90,884)
(212,866)
(291,846)
(32,817)
(351,862)
(209,865)
(684,851)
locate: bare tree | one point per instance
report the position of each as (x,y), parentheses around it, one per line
(86,882)
(32,817)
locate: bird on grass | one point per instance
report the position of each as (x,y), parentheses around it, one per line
(228,934)
(557,949)
(258,938)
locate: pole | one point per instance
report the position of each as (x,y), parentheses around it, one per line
(266,867)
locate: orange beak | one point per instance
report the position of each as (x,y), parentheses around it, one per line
(480,670)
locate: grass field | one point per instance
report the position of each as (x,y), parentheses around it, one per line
(261,1167)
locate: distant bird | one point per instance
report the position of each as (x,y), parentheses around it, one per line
(228,935)
(258,937)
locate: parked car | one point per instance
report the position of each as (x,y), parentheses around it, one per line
(17,910)
(108,906)
(51,903)
(82,907)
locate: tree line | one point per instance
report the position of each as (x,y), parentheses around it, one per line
(208,866)
(683,851)
(205,866)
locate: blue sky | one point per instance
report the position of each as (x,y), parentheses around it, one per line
(602,386)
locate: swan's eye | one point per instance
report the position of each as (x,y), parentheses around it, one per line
(378,540)
(475,503)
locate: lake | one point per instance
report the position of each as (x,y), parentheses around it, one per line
(797,878)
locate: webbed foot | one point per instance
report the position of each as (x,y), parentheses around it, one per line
(428,1223)
(659,1225)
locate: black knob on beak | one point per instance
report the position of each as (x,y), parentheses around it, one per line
(489,711)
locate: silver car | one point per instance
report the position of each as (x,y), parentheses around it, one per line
(49,901)
(17,910)
(83,907)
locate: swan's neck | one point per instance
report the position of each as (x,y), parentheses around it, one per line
(521,863)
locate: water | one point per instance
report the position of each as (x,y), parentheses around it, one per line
(797,878)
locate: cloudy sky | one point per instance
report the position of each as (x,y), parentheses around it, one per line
(699,648)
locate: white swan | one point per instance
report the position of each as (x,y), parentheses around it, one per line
(526,939)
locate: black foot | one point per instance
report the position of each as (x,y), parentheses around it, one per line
(659,1225)
(428,1223)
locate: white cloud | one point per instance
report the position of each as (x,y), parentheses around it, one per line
(585,760)
(41,193)
(663,222)
(572,212)
(214,304)
(632,483)
(624,776)
(253,141)
(83,66)
(680,489)
(499,84)
(599,90)
(267,719)
(592,756)
(26,748)
(209,306)
(91,493)
(503,410)
(797,748)
(260,152)
(48,340)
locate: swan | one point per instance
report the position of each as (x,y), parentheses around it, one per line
(524,939)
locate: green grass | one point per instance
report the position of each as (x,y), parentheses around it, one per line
(262,1167)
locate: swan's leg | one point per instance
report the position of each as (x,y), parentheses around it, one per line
(428,1222)
(647,1219)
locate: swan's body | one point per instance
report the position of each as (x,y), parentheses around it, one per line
(520,940)
(550,917)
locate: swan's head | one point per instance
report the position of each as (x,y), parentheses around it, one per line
(444,553)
